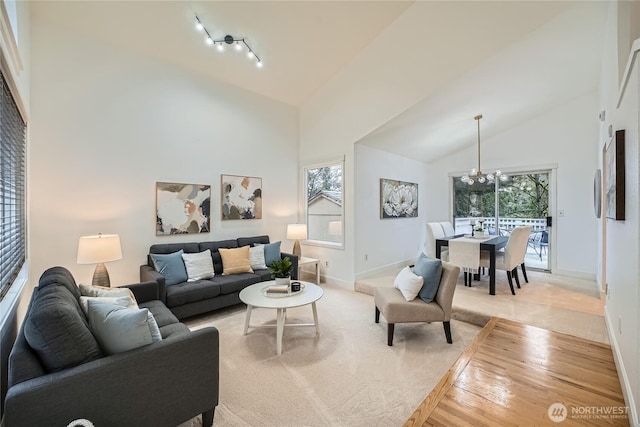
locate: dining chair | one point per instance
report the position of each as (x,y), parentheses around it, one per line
(448,229)
(513,256)
(435,231)
(465,255)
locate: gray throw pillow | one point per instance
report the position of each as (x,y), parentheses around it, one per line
(171,266)
(57,330)
(430,270)
(118,328)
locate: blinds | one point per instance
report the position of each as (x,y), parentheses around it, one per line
(12,189)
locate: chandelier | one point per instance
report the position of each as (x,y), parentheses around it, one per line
(476,174)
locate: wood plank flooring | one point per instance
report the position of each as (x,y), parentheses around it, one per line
(512,373)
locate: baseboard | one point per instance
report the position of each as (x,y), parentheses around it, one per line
(376,271)
(627,391)
(575,274)
(335,281)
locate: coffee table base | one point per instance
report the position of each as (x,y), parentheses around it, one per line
(281,314)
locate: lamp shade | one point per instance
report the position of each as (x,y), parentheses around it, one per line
(297,231)
(99,248)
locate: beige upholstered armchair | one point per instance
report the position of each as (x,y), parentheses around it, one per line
(395,309)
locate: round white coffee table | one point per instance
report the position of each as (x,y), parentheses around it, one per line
(255,296)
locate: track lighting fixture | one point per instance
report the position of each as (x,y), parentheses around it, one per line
(239,44)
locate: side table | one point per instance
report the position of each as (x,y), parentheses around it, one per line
(309,261)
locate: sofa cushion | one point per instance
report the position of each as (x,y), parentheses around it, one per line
(160,312)
(236,282)
(171,266)
(263,275)
(252,241)
(57,330)
(235,261)
(59,276)
(119,329)
(187,292)
(173,328)
(213,247)
(199,265)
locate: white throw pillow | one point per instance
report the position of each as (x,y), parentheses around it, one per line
(118,329)
(100,291)
(408,283)
(256,258)
(199,265)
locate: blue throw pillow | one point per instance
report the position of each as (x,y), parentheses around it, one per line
(271,252)
(171,266)
(430,270)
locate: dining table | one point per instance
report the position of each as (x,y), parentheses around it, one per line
(491,245)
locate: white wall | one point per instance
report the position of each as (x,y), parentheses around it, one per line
(622,243)
(566,137)
(385,242)
(107,124)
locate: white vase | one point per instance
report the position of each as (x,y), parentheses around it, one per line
(283,281)
(479,234)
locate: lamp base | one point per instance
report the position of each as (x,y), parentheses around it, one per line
(296,249)
(101,276)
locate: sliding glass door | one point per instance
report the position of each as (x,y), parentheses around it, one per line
(522,199)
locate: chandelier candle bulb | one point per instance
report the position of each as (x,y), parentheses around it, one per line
(476,174)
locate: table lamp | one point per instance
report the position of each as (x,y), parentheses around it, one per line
(99,249)
(297,232)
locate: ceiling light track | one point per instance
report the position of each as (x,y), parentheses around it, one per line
(239,43)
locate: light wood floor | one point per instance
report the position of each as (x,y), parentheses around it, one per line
(513,373)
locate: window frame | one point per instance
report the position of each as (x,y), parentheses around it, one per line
(13,181)
(315,242)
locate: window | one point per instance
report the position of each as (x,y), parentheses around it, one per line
(324,204)
(12,189)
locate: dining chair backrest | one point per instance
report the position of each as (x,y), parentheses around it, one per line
(434,231)
(516,247)
(465,255)
(448,229)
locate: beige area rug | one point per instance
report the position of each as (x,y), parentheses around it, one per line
(346,376)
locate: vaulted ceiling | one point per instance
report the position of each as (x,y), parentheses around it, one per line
(540,54)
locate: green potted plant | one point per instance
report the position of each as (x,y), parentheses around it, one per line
(479,231)
(281,271)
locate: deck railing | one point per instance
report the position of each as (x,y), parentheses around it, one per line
(463,225)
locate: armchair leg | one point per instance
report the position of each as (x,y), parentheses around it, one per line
(524,272)
(513,292)
(377,315)
(515,275)
(390,334)
(207,417)
(447,331)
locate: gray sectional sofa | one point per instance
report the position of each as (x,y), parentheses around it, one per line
(187,299)
(58,373)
